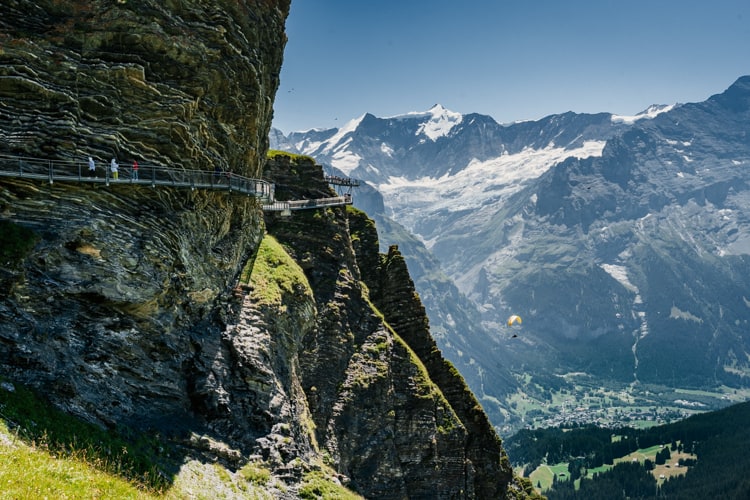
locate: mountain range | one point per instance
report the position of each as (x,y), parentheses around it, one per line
(622,241)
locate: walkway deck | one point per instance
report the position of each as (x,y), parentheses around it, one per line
(148,175)
(285,206)
(155,175)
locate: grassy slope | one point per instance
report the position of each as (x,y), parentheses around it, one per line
(28,473)
(31,471)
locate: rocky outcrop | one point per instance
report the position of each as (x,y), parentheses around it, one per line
(399,302)
(172,312)
(122,312)
(182,83)
(396,418)
(114,312)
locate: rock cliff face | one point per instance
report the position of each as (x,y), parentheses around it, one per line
(171,311)
(392,414)
(121,274)
(184,83)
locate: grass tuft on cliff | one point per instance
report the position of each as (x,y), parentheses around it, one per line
(43,449)
(274,273)
(317,485)
(273,153)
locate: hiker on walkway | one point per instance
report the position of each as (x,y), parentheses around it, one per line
(135,170)
(114,167)
(92,167)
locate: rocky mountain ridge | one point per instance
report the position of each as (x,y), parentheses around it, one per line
(346,417)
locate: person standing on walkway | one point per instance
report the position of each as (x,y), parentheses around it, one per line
(135,170)
(114,167)
(92,167)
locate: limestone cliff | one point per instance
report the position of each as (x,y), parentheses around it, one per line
(171,311)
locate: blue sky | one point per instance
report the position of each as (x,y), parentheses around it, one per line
(510,59)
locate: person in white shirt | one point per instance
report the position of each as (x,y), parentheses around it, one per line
(114,167)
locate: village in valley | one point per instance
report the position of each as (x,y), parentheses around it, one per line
(633,406)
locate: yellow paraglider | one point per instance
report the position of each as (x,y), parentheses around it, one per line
(514,319)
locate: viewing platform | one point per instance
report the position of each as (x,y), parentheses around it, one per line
(287,206)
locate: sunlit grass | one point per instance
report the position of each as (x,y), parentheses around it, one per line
(272,153)
(274,273)
(42,446)
(28,472)
(255,473)
(544,475)
(317,485)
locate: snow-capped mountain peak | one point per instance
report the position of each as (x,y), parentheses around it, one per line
(651,112)
(348,128)
(438,121)
(436,142)
(441,123)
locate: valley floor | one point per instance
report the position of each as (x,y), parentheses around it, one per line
(636,405)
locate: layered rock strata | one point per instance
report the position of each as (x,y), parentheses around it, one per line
(112,312)
(181,83)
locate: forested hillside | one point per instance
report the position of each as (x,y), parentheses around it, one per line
(717,440)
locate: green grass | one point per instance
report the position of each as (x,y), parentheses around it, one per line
(255,473)
(28,472)
(274,273)
(45,453)
(56,441)
(648,452)
(695,392)
(316,485)
(544,475)
(272,153)
(598,470)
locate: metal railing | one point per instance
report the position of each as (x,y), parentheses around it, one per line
(155,175)
(147,174)
(341,181)
(281,206)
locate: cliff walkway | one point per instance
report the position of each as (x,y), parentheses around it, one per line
(285,206)
(155,175)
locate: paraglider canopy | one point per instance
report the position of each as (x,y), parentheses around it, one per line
(514,319)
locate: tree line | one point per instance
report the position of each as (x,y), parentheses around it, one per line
(719,439)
